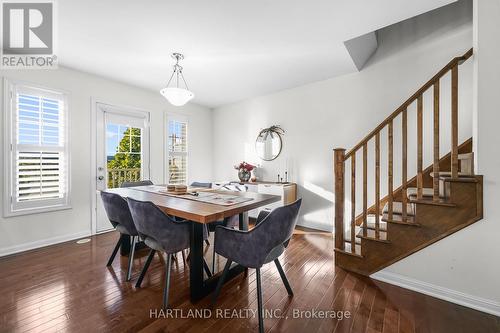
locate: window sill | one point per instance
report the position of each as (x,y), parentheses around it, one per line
(30,211)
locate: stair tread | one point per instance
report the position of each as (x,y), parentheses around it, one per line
(398,219)
(347,250)
(371,235)
(429,201)
(397,208)
(469,179)
(370,219)
(411,192)
(347,234)
(448,174)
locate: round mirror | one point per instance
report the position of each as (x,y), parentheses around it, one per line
(268,143)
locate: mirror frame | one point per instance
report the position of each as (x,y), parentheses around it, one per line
(275,129)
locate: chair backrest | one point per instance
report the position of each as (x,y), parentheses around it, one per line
(152,222)
(280,223)
(272,234)
(137,183)
(118,212)
(201,184)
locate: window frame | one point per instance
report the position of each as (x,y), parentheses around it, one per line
(179,118)
(10,149)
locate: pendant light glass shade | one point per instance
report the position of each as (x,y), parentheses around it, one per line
(177,96)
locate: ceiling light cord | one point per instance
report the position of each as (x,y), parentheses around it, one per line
(177,71)
(176,95)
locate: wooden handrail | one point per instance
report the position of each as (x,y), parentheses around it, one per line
(453,63)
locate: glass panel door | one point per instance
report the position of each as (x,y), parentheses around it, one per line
(122,144)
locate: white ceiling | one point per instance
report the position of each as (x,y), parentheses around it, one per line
(234,49)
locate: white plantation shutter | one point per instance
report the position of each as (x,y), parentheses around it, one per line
(177,151)
(39,150)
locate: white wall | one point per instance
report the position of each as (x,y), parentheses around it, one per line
(19,233)
(464,267)
(341,111)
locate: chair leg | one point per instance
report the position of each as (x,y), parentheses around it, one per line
(131,258)
(221,281)
(213,260)
(183,257)
(283,277)
(145,268)
(166,290)
(115,250)
(206,268)
(259,302)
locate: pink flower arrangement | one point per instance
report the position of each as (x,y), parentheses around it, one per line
(245,166)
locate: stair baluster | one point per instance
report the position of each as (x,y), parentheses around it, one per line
(404,173)
(353,203)
(390,169)
(454,121)
(435,168)
(365,188)
(420,151)
(377,185)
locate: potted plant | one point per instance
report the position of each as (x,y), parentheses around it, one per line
(244,171)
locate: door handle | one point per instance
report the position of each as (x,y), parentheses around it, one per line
(100,177)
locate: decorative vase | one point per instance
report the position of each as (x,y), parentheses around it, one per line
(244,175)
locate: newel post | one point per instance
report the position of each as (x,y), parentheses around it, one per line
(338,160)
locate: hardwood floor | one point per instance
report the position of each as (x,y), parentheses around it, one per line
(67,287)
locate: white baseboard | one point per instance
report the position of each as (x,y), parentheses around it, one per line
(317,226)
(5,251)
(477,303)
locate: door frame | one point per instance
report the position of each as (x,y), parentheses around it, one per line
(93,151)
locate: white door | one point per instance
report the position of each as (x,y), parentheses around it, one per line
(122,152)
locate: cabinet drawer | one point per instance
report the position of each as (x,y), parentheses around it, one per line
(271,189)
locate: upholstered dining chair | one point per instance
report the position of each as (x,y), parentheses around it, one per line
(231,222)
(206,232)
(146,183)
(160,232)
(119,215)
(137,183)
(261,245)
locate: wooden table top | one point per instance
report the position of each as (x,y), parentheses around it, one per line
(195,210)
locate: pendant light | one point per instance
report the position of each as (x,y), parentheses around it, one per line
(176,95)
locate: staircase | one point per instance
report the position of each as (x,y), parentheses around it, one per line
(440,200)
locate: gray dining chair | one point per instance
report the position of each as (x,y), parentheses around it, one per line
(162,233)
(146,183)
(261,245)
(231,222)
(206,232)
(137,183)
(119,215)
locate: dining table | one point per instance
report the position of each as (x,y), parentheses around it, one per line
(198,213)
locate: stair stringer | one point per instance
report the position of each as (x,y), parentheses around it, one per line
(436,222)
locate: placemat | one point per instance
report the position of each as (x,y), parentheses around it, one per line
(204,195)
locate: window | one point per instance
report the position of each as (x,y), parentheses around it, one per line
(37,159)
(123,154)
(177,151)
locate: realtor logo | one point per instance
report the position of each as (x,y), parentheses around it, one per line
(28,35)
